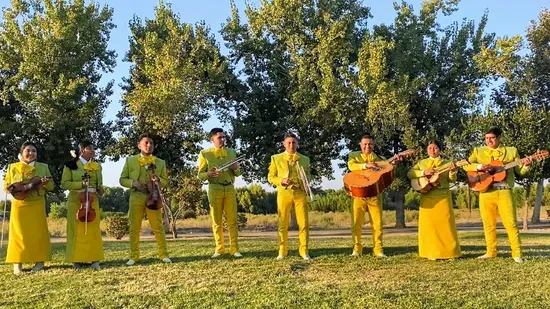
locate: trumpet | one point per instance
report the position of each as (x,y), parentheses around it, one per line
(228,164)
(305,183)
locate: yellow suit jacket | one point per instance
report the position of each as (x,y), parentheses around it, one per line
(279,168)
(444,179)
(14,174)
(132,171)
(208,160)
(482,155)
(356,160)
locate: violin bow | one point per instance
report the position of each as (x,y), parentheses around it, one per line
(4,219)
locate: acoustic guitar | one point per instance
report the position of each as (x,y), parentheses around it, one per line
(371,182)
(423,184)
(481,181)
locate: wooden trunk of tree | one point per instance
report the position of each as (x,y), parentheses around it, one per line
(526,208)
(538,202)
(399,200)
(468,198)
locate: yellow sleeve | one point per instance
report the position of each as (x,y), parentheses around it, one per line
(415,172)
(521,169)
(308,170)
(124,179)
(66,180)
(100,177)
(472,167)
(7,179)
(353,165)
(163,176)
(452,175)
(203,168)
(50,184)
(272,177)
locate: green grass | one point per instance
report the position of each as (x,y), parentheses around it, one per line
(331,280)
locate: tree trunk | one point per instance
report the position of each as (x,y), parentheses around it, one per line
(174,229)
(468,198)
(538,202)
(400,209)
(526,208)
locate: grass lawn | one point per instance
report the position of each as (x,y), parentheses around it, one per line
(331,280)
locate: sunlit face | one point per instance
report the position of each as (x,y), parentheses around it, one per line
(146,146)
(290,144)
(433,150)
(367,145)
(87,152)
(218,140)
(492,140)
(28,154)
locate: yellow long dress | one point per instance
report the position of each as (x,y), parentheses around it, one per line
(29,239)
(437,236)
(84,244)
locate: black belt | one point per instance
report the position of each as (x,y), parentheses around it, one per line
(224,184)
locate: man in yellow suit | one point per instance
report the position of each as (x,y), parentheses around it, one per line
(283,173)
(221,192)
(361,160)
(138,171)
(499,196)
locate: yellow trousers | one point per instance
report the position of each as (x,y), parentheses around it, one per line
(373,206)
(136,214)
(286,199)
(223,199)
(489,203)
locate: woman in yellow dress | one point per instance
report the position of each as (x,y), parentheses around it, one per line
(29,239)
(437,236)
(84,242)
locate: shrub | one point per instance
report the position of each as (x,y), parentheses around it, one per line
(189,214)
(58,211)
(241,221)
(117,226)
(106,214)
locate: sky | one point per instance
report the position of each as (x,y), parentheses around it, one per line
(506,18)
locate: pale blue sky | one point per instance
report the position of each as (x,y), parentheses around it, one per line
(506,17)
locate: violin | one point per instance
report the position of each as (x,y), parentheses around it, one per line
(86,212)
(154,200)
(20,190)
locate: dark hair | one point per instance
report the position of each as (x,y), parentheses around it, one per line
(144,135)
(215,131)
(366,136)
(494,130)
(25,144)
(290,135)
(437,143)
(71,164)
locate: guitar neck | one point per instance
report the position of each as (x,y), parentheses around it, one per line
(513,164)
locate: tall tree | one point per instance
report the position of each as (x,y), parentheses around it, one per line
(177,74)
(298,61)
(52,55)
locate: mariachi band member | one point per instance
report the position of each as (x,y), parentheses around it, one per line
(360,160)
(84,242)
(499,196)
(284,173)
(222,197)
(29,239)
(437,236)
(140,171)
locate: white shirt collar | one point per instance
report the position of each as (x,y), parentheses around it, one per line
(141,155)
(438,157)
(83,160)
(29,164)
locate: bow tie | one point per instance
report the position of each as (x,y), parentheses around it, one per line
(368,158)
(291,157)
(219,152)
